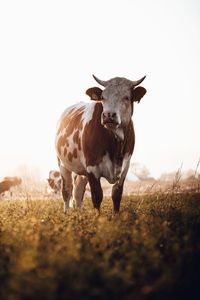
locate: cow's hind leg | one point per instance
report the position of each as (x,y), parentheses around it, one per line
(96,191)
(79,189)
(66,183)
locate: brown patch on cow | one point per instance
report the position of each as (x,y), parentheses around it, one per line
(65,151)
(76,137)
(61,142)
(70,156)
(75,153)
(97,140)
(77,140)
(129,141)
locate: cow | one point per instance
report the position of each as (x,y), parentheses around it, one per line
(54,181)
(96,139)
(7,183)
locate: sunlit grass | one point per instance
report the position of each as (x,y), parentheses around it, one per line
(150,251)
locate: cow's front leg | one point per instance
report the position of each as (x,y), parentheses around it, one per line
(117,191)
(66,183)
(96,190)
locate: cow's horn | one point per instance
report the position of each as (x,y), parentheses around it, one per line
(135,83)
(101,82)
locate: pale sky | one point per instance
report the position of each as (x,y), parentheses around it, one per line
(50,49)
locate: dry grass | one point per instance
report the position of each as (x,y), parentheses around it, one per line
(150,251)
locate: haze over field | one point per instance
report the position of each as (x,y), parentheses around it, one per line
(49,51)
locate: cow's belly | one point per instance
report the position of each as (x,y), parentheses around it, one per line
(110,170)
(69,136)
(71,157)
(75,166)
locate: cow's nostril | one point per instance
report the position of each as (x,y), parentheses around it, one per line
(114,115)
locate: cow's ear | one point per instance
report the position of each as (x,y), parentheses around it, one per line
(138,93)
(94,93)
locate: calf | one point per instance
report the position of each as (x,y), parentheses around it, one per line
(54,181)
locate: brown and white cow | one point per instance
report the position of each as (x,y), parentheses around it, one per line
(8,182)
(96,139)
(54,181)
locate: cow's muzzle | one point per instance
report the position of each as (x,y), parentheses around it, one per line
(109,120)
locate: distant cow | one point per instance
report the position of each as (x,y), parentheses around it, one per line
(96,139)
(54,181)
(8,182)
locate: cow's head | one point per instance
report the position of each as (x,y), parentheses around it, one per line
(117,99)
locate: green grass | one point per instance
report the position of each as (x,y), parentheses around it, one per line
(150,251)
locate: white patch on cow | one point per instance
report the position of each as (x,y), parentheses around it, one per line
(71,146)
(88,113)
(125,167)
(103,169)
(88,109)
(109,170)
(69,109)
(119,133)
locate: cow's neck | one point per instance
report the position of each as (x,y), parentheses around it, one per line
(121,131)
(121,135)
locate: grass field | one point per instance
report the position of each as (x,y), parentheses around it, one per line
(150,251)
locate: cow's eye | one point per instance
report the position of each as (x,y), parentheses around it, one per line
(126,98)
